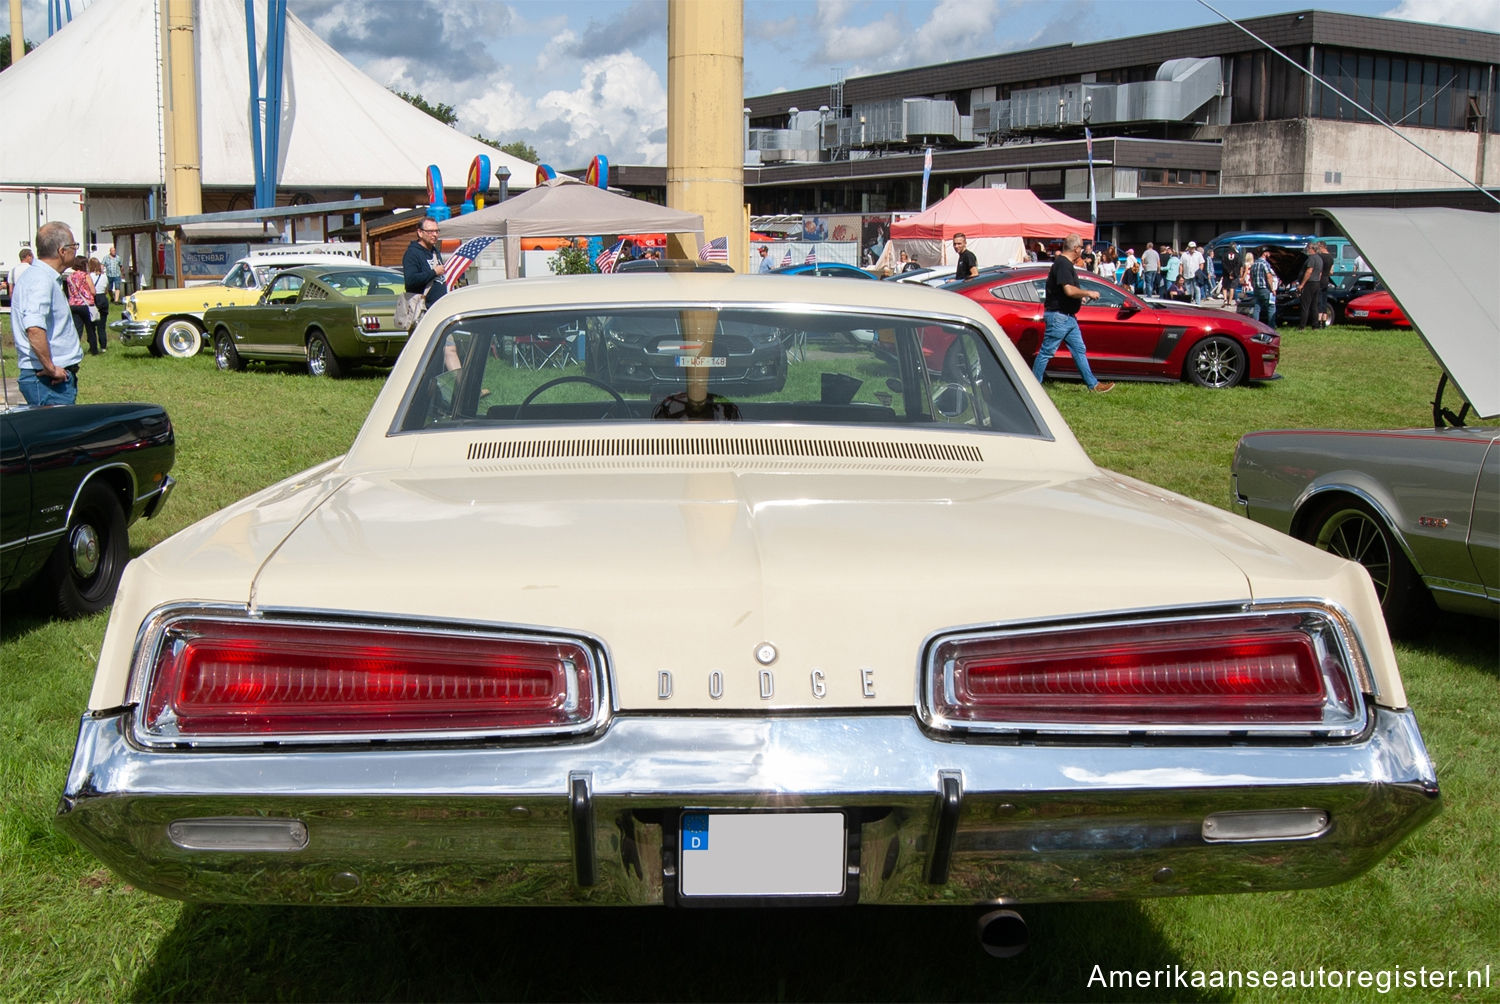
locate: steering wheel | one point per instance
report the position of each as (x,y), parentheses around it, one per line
(569,379)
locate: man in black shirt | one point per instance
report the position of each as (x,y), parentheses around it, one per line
(1312,283)
(968,265)
(1060,316)
(422,263)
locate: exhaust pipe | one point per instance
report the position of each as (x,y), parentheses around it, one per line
(1002,934)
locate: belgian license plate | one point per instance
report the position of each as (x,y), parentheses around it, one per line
(761,854)
(1359,313)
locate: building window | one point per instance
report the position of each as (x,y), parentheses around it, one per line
(1399,90)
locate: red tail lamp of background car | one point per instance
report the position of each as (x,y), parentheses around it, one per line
(232,678)
(1234,672)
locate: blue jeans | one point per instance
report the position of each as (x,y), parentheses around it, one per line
(40,392)
(1062,328)
(1265,307)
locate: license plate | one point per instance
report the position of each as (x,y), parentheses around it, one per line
(702,362)
(1359,313)
(761,854)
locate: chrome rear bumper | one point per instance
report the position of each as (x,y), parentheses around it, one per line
(932,821)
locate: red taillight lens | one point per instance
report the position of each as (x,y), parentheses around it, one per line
(256,679)
(369,322)
(1263,670)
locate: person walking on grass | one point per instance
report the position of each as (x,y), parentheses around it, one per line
(1060,317)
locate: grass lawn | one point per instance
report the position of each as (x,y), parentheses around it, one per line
(69,930)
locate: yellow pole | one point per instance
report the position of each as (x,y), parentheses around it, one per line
(705,128)
(180,110)
(17,36)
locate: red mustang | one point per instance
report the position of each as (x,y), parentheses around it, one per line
(1131,338)
(1378,309)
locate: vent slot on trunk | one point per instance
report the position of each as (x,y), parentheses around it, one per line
(748,447)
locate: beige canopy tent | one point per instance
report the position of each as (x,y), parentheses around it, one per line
(566,207)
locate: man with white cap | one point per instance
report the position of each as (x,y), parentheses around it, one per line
(1192,269)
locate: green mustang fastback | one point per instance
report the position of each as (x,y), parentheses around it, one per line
(328,317)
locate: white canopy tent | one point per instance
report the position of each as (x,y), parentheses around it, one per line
(68,123)
(566,207)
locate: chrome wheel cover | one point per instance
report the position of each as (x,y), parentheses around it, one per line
(83,550)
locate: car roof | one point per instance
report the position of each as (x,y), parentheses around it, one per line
(322,268)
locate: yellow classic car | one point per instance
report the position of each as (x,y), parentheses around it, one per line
(800,619)
(169,322)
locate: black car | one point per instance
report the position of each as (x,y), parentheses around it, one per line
(647,351)
(74,479)
(1289,295)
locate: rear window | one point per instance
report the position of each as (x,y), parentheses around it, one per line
(702,363)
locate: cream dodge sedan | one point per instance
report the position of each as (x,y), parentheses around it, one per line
(826,624)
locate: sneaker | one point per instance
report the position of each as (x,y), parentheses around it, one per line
(1102,388)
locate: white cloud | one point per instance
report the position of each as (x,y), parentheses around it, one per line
(1482,14)
(498,112)
(619,109)
(956,29)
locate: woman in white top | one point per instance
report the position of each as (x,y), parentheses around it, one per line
(100,282)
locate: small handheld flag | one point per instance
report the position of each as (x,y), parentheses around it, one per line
(464,257)
(607,258)
(715,250)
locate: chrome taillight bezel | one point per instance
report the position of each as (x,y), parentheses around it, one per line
(159,626)
(1331,626)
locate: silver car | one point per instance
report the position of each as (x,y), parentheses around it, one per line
(1419,508)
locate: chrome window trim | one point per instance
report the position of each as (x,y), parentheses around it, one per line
(1353,661)
(434,343)
(153,628)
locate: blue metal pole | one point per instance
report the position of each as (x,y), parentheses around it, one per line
(275,47)
(255,128)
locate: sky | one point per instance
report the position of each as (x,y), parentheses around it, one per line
(579,78)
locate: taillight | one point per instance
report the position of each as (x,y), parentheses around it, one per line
(369,322)
(1272,671)
(259,679)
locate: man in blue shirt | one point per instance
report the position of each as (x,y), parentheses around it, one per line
(1262,279)
(765,260)
(47,348)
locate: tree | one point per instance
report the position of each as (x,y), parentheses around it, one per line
(5,50)
(517,148)
(570,259)
(443,113)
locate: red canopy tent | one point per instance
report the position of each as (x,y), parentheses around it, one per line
(990,212)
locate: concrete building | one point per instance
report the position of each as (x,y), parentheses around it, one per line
(1180,121)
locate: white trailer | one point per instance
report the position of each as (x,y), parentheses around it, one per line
(25,208)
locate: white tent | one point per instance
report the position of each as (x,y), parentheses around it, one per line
(84,109)
(566,207)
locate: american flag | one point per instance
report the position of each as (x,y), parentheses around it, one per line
(786,259)
(812,257)
(460,260)
(607,258)
(715,250)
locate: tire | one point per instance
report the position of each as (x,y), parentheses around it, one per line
(320,358)
(1351,529)
(84,570)
(226,357)
(179,337)
(1216,362)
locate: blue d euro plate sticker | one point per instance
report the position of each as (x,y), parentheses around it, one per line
(762,854)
